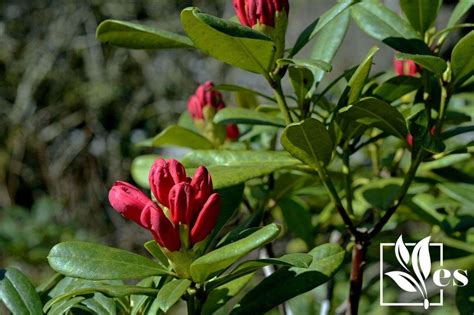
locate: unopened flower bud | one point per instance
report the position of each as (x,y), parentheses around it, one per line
(206,219)
(163,176)
(252,12)
(163,231)
(409,139)
(405,67)
(204,96)
(128,200)
(181,203)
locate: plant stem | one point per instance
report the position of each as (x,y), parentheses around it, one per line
(348,178)
(281,101)
(359,253)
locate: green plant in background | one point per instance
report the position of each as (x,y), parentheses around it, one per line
(317,184)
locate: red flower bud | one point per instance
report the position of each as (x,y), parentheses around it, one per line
(128,200)
(206,219)
(204,96)
(181,201)
(433,131)
(405,67)
(232,131)
(202,184)
(251,12)
(409,140)
(162,229)
(163,176)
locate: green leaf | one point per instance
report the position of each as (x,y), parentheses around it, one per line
(228,41)
(219,296)
(299,260)
(462,62)
(374,112)
(18,294)
(225,256)
(65,306)
(287,283)
(98,262)
(329,40)
(298,219)
(360,75)
(177,136)
(235,115)
(396,87)
(171,292)
(308,141)
(461,192)
(379,193)
(318,24)
(137,36)
(385,25)
(237,88)
(155,250)
(432,63)
(311,64)
(301,80)
(461,8)
(421,13)
(108,290)
(141,166)
(446,161)
(101,305)
(229,168)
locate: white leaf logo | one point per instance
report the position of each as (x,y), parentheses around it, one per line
(401,252)
(404,280)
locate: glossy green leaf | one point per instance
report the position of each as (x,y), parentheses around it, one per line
(225,256)
(301,80)
(155,250)
(297,219)
(374,112)
(446,161)
(432,63)
(459,11)
(396,87)
(379,193)
(237,88)
(462,62)
(329,40)
(177,136)
(358,79)
(229,168)
(385,25)
(219,296)
(311,64)
(65,306)
(98,262)
(137,36)
(421,13)
(228,41)
(299,260)
(141,166)
(235,115)
(18,294)
(318,24)
(461,192)
(308,141)
(287,283)
(171,292)
(101,305)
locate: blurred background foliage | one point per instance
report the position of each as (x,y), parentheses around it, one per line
(72,109)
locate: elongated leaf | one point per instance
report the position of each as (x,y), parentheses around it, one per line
(137,36)
(385,25)
(311,64)
(287,283)
(297,218)
(225,256)
(330,39)
(177,136)
(18,294)
(107,290)
(171,292)
(318,24)
(235,115)
(461,192)
(374,112)
(421,13)
(302,81)
(462,62)
(237,88)
(396,87)
(359,77)
(228,41)
(461,8)
(432,63)
(229,168)
(98,262)
(219,296)
(66,305)
(141,166)
(421,259)
(101,305)
(308,141)
(404,280)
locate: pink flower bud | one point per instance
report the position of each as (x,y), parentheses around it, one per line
(128,200)
(204,96)
(202,184)
(410,140)
(163,176)
(181,201)
(251,12)
(405,67)
(232,131)
(162,229)
(206,219)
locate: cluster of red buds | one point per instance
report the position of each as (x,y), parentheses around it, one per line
(186,210)
(203,105)
(405,67)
